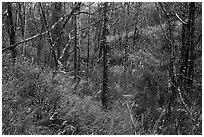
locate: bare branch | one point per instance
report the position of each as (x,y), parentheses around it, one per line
(183,102)
(115,22)
(5,14)
(180,19)
(83,12)
(66,46)
(164,10)
(42,34)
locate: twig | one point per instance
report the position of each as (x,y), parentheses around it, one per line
(115,22)
(183,102)
(131,116)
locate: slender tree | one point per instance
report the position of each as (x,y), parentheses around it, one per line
(88,40)
(105,32)
(52,50)
(56,33)
(76,47)
(126,40)
(11,30)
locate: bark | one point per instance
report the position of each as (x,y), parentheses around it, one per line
(88,43)
(76,49)
(126,40)
(11,30)
(51,41)
(191,44)
(104,94)
(187,53)
(56,33)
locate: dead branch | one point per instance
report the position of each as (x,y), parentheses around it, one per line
(182,21)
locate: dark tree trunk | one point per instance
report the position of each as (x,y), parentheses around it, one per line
(104,94)
(76,49)
(52,50)
(191,45)
(11,30)
(40,44)
(88,44)
(22,22)
(187,53)
(126,40)
(56,33)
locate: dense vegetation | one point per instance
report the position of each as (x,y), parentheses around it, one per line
(101,68)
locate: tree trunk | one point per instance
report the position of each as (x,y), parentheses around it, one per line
(104,94)
(11,30)
(76,49)
(52,50)
(187,53)
(56,33)
(24,30)
(88,44)
(191,46)
(126,42)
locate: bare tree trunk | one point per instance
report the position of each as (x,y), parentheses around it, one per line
(88,44)
(104,94)
(191,45)
(79,39)
(25,28)
(22,18)
(187,53)
(52,50)
(11,30)
(76,62)
(40,44)
(126,42)
(56,33)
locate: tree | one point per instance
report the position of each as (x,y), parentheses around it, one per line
(11,30)
(126,36)
(22,19)
(56,33)
(105,33)
(76,46)
(88,40)
(188,53)
(52,44)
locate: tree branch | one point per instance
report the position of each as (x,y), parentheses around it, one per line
(182,21)
(83,12)
(42,34)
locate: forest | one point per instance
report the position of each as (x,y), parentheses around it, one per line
(101,68)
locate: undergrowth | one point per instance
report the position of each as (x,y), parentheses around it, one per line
(31,95)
